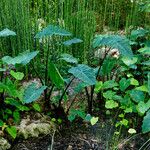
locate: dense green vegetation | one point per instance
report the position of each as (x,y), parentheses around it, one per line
(98,49)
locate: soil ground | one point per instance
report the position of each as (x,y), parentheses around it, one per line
(83,137)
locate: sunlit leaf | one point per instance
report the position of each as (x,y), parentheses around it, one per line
(17,75)
(94,120)
(110,104)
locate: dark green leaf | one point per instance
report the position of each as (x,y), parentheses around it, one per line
(84,73)
(32,93)
(23,58)
(146,123)
(137,96)
(114,41)
(52,30)
(69,58)
(124,84)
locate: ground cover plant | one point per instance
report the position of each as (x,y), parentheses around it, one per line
(56,76)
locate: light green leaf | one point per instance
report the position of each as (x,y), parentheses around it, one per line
(72,41)
(142,88)
(37,107)
(23,58)
(98,86)
(52,30)
(132,131)
(109,84)
(69,58)
(6,32)
(94,120)
(110,104)
(134,81)
(124,122)
(143,107)
(55,76)
(12,131)
(145,50)
(17,75)
(114,41)
(84,73)
(146,123)
(129,61)
(128,110)
(32,93)
(109,94)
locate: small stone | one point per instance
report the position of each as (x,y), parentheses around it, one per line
(69,147)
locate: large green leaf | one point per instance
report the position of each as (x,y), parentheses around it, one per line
(146,123)
(72,41)
(114,41)
(22,58)
(137,96)
(6,32)
(52,30)
(84,73)
(32,93)
(138,33)
(124,84)
(55,76)
(69,58)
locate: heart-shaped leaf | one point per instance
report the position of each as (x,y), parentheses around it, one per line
(110,104)
(94,120)
(17,75)
(52,30)
(84,73)
(12,131)
(32,93)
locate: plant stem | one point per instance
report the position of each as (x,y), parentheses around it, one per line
(93,86)
(61,98)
